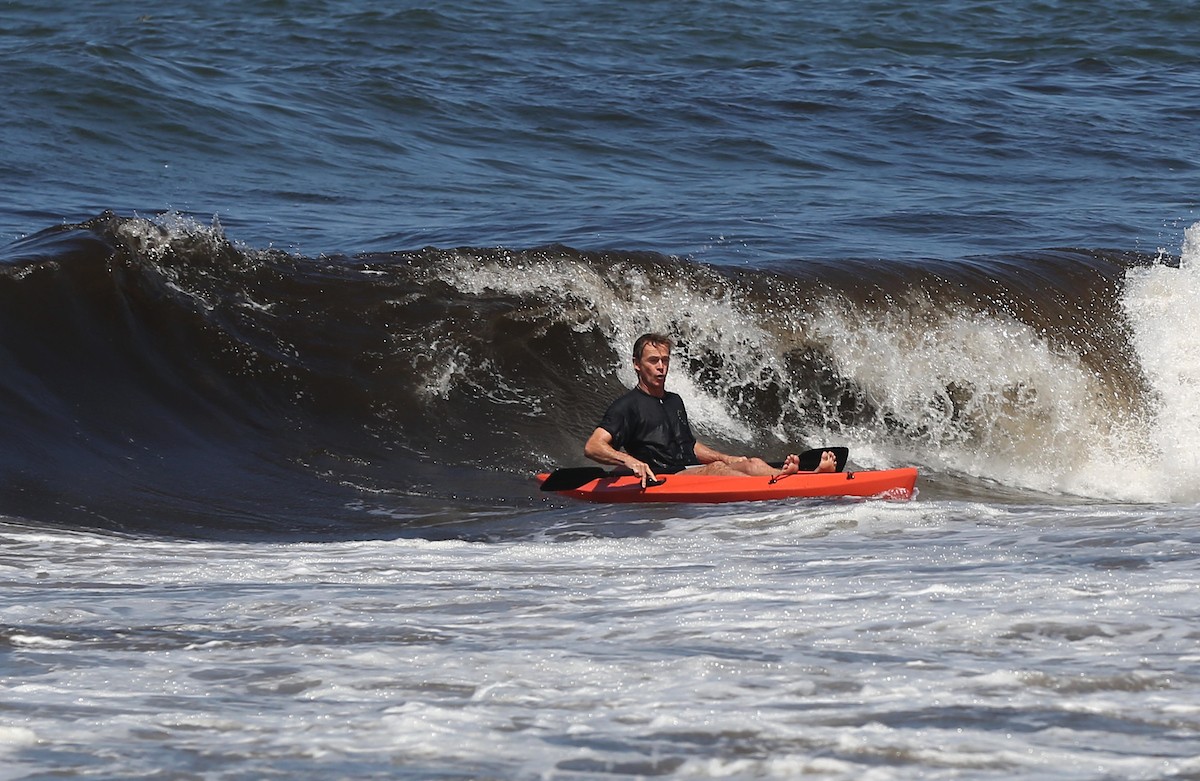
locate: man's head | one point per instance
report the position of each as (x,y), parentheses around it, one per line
(651,359)
(653,339)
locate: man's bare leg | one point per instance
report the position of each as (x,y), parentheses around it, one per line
(741,467)
(756,467)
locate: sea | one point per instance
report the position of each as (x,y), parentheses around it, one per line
(297,297)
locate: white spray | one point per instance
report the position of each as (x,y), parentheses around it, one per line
(1163,305)
(980,395)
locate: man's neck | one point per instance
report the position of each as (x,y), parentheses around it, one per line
(649,392)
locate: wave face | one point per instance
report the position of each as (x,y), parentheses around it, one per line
(157,377)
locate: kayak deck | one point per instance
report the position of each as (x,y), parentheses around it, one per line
(684,487)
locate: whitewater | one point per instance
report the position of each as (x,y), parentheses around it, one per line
(871,640)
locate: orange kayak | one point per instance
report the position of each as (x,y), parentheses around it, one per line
(684,487)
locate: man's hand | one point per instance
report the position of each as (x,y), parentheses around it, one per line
(642,470)
(599,448)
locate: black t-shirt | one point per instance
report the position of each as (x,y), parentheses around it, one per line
(652,430)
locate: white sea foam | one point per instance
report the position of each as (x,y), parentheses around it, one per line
(1163,305)
(901,639)
(988,396)
(16,737)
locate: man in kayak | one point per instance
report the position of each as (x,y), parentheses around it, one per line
(647,430)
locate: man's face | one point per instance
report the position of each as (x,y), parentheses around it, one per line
(652,367)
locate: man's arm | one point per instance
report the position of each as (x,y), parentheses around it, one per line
(599,448)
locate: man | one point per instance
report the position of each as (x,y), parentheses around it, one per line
(647,430)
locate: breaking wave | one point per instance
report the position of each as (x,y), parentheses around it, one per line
(157,376)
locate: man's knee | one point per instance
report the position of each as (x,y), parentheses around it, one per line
(753,466)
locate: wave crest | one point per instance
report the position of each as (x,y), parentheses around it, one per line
(158,358)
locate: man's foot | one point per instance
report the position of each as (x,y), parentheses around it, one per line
(791,465)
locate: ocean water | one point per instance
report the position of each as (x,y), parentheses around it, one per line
(296,297)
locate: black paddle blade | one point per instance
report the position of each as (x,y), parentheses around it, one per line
(811,459)
(571,478)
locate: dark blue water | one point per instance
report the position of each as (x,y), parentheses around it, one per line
(727,131)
